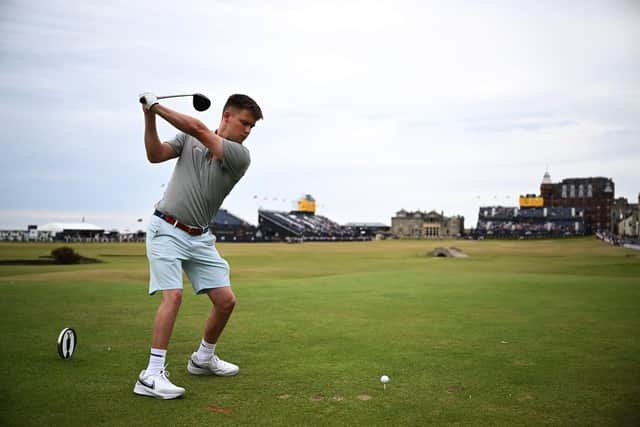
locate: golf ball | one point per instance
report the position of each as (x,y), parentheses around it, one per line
(384,379)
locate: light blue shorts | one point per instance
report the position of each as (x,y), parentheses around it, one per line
(171,250)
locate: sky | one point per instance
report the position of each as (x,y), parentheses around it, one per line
(370,107)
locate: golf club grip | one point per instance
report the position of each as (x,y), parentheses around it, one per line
(143,100)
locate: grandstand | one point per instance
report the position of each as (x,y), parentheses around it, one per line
(296,225)
(303,224)
(230,228)
(529,222)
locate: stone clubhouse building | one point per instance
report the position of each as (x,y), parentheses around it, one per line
(426,225)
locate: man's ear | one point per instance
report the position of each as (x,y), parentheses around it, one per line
(225,115)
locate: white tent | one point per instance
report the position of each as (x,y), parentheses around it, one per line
(60,227)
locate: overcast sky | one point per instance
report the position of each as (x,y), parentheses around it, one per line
(370,107)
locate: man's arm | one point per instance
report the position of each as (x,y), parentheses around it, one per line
(157,151)
(191,126)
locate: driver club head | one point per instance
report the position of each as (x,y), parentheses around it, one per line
(201,102)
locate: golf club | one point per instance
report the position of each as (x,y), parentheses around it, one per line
(200,102)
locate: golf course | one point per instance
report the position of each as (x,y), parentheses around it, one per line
(517,333)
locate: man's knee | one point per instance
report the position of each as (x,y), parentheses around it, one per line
(227,303)
(223,299)
(172,298)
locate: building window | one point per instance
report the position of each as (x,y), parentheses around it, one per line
(564,191)
(581,190)
(589,190)
(572,191)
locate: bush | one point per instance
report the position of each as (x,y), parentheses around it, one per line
(65,255)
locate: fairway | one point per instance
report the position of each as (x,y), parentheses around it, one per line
(517,333)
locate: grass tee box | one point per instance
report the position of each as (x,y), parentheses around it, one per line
(516,333)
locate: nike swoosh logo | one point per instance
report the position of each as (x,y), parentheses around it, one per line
(151,386)
(198,365)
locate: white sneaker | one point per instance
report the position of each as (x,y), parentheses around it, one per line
(213,366)
(157,386)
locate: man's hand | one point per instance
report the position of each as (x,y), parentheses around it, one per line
(148,100)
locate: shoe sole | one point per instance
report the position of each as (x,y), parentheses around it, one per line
(142,390)
(194,370)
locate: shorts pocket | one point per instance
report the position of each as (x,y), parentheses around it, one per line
(154,226)
(210,239)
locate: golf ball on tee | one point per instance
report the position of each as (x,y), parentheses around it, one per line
(384,379)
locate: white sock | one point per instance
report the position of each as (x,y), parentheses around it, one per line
(206,350)
(157,359)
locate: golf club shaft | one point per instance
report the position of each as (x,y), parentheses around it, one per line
(173,96)
(142,99)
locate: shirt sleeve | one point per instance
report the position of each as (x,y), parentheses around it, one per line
(177,143)
(235,158)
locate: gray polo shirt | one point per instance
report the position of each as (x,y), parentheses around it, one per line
(198,184)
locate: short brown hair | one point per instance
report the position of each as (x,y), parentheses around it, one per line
(243,102)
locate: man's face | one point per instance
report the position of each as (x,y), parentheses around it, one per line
(238,124)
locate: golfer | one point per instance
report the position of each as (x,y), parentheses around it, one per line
(209,165)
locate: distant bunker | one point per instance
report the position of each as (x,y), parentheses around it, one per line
(448,253)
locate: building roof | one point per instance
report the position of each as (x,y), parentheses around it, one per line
(59,227)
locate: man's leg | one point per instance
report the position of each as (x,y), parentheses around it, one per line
(204,361)
(162,329)
(153,380)
(223,301)
(163,245)
(166,318)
